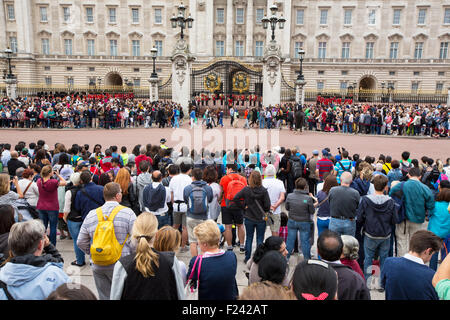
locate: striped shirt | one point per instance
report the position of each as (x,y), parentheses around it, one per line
(324,165)
(123,224)
(339,169)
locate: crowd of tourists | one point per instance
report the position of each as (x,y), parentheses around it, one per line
(110,113)
(382,223)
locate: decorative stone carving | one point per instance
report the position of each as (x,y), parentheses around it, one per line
(272,49)
(201,4)
(180,69)
(272,68)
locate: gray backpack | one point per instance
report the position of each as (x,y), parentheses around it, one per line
(198,201)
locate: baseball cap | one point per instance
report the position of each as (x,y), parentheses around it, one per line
(325,152)
(162,140)
(315,152)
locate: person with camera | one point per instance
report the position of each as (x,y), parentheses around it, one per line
(48,205)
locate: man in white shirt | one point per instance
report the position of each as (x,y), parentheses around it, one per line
(6,154)
(277,193)
(176,188)
(164,196)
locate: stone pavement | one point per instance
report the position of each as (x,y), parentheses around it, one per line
(84,276)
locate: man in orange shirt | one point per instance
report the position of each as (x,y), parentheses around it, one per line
(232,215)
(246,126)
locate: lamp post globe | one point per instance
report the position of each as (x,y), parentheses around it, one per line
(181,21)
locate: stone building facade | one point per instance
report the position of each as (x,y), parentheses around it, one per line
(404,43)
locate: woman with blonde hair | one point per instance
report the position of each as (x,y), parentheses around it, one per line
(215,270)
(147,274)
(362,183)
(266,290)
(129,199)
(10,197)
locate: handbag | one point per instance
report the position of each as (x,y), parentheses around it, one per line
(191,288)
(266,215)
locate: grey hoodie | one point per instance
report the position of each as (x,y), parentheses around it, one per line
(142,181)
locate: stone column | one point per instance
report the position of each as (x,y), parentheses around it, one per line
(229,28)
(181,76)
(299,92)
(272,74)
(153,94)
(448,97)
(3,19)
(11,88)
(249,30)
(285,34)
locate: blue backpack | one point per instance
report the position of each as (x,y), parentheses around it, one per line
(400,215)
(198,201)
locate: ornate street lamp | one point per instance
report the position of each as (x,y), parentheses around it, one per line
(154,53)
(273,20)
(382,91)
(181,21)
(301,54)
(8,52)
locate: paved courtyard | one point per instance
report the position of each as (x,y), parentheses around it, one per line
(236,138)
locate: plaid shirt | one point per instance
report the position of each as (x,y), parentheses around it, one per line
(283,233)
(123,224)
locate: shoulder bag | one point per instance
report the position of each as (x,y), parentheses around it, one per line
(192,286)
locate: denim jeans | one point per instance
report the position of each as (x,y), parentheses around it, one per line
(50,216)
(322,225)
(162,220)
(74,229)
(261,123)
(250,227)
(343,226)
(371,246)
(434,258)
(305,230)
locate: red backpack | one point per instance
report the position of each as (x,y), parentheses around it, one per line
(233,187)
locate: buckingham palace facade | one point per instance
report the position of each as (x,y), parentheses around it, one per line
(401,43)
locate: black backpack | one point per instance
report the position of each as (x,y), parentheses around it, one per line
(349,169)
(296,167)
(163,164)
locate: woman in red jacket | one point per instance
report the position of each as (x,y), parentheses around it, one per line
(350,253)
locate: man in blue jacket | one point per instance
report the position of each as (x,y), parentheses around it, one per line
(408,277)
(417,198)
(376,214)
(197,196)
(36,269)
(89,197)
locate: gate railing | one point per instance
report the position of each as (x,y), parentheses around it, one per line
(165,90)
(287,91)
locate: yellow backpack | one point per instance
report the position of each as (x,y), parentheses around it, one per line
(105,248)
